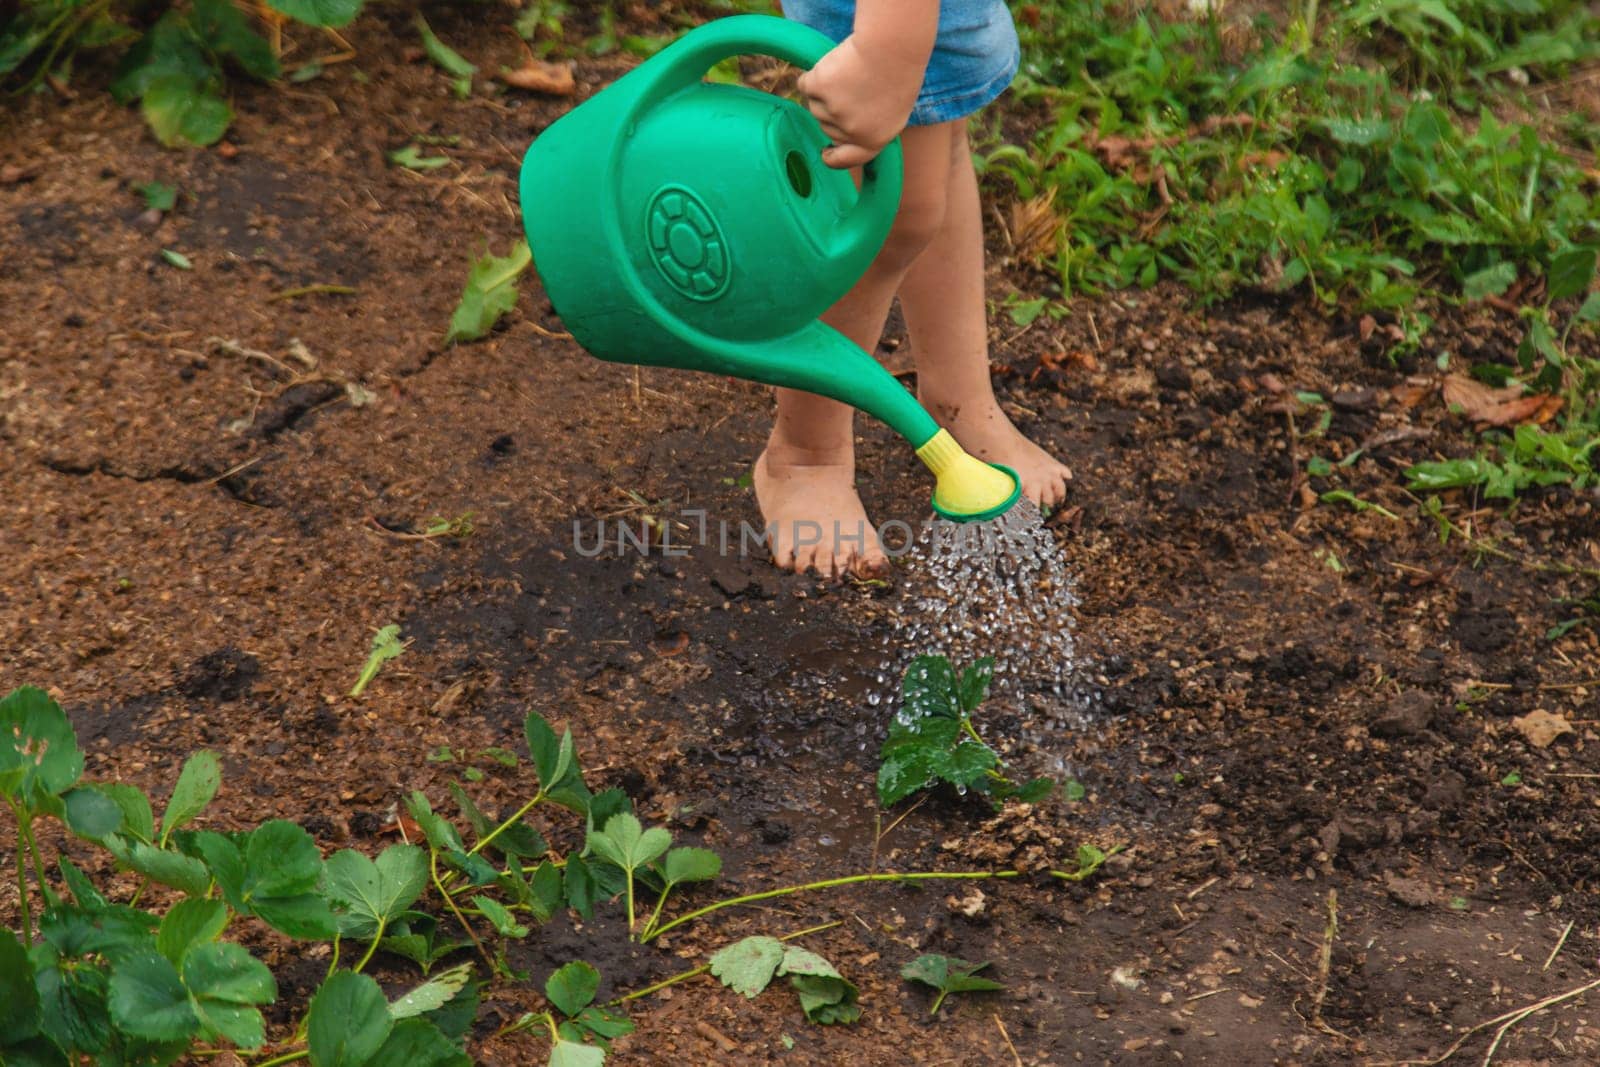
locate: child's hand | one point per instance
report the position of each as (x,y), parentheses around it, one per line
(863,91)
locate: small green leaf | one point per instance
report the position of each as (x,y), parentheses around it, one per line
(38,749)
(183,873)
(947,974)
(20,1015)
(491,292)
(625,842)
(566,1053)
(227,982)
(138,821)
(1571,273)
(348,1021)
(748,966)
(330,13)
(91,814)
(188,923)
(182,110)
(157,197)
(177,259)
(1512,778)
(691,865)
(411,158)
(572,987)
(418,1043)
(148,999)
(433,994)
(504,923)
(198,783)
(1490,281)
(446,59)
(929,688)
(386,645)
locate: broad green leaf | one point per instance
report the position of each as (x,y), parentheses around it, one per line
(138,821)
(73,1003)
(827,1000)
(374,893)
(163,866)
(929,688)
(19,998)
(1571,273)
(1036,790)
(691,865)
(38,749)
(1490,281)
(974,684)
(504,923)
(602,1024)
(348,1021)
(331,13)
(227,982)
(418,1043)
(433,994)
(83,890)
(281,859)
(198,783)
(905,770)
(188,923)
(305,916)
(169,49)
(967,764)
(181,110)
(572,987)
(226,31)
(35,1052)
(748,966)
(113,930)
(491,291)
(148,999)
(625,842)
(579,886)
(571,1054)
(546,887)
(91,814)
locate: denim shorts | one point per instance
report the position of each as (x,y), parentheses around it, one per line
(974,58)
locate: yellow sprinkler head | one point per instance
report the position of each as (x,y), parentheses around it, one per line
(967,489)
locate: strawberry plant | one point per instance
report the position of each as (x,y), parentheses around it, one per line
(749,966)
(947,974)
(932,739)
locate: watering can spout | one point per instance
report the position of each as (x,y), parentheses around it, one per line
(680,223)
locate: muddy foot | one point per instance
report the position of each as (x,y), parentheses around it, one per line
(813,515)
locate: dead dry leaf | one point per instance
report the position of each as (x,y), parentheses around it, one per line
(1506,406)
(1540,727)
(538,76)
(1035,228)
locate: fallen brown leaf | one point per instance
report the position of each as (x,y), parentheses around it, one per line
(538,76)
(1540,727)
(1506,406)
(1035,228)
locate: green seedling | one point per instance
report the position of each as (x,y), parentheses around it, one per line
(1356,504)
(386,645)
(947,974)
(1090,859)
(932,738)
(177,259)
(439,526)
(446,59)
(750,965)
(1587,614)
(491,292)
(411,158)
(157,197)
(1513,778)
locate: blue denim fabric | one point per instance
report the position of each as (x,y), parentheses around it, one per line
(974,59)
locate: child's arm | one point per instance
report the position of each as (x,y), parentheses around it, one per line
(863,91)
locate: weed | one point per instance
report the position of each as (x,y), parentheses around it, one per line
(932,739)
(491,291)
(446,59)
(386,645)
(948,975)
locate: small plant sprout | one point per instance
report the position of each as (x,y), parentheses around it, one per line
(932,738)
(491,291)
(386,645)
(750,965)
(947,974)
(157,197)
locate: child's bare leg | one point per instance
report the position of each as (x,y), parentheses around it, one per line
(943,300)
(805,480)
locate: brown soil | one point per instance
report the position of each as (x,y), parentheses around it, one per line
(1294,700)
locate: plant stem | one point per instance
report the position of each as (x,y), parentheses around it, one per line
(433,866)
(630,903)
(382,923)
(503,827)
(287,1057)
(684,976)
(655,916)
(853,879)
(22,877)
(333,964)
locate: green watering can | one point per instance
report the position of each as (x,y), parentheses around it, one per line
(680,223)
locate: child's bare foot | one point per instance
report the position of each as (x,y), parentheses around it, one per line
(814,516)
(985,431)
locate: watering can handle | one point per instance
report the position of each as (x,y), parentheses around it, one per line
(686,61)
